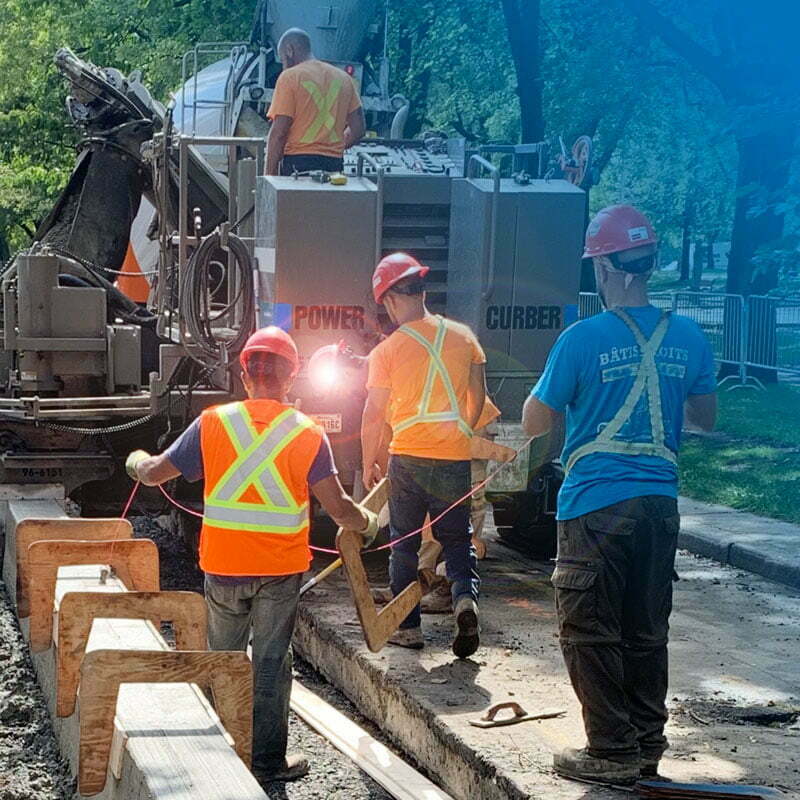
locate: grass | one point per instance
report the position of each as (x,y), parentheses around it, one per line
(752,462)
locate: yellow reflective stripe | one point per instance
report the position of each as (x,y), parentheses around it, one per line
(646,383)
(223,508)
(324,118)
(436,366)
(249,449)
(269,464)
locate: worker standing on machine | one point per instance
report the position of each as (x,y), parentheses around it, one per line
(429,376)
(627,379)
(258,457)
(316,111)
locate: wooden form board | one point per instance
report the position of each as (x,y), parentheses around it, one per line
(37,530)
(377,760)
(168,742)
(134,560)
(378,626)
(186,611)
(229,675)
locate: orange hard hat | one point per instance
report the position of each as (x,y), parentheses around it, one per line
(392,269)
(271,340)
(618,228)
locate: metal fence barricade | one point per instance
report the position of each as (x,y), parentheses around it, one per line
(588,305)
(772,332)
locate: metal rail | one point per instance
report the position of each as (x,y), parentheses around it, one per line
(488,287)
(379,173)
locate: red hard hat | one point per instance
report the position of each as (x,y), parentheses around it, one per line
(271,340)
(391,270)
(617,228)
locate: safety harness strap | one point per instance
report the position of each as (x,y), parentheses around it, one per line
(436,367)
(255,466)
(647,383)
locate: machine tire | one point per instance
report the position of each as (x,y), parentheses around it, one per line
(525,521)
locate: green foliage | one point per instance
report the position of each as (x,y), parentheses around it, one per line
(753,461)
(664,133)
(450,59)
(36,146)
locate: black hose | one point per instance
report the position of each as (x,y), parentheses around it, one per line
(194,301)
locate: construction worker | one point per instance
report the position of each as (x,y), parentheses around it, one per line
(258,458)
(316,111)
(432,571)
(627,379)
(429,376)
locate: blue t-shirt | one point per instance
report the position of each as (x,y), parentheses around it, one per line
(588,374)
(186,455)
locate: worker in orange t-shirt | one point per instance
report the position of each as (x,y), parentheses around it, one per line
(316,111)
(430,376)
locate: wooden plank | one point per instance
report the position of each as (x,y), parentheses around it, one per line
(134,560)
(14,512)
(228,675)
(35,530)
(186,610)
(381,764)
(488,450)
(378,626)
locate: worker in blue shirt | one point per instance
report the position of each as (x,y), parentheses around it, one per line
(627,380)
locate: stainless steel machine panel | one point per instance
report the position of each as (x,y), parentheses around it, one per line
(316,246)
(520,304)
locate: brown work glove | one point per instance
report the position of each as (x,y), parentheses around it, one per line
(371,531)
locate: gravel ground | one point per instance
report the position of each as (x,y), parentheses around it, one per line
(31,767)
(333,776)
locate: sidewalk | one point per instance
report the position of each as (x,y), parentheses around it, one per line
(765,546)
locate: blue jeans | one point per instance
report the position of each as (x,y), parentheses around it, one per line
(268,607)
(421,486)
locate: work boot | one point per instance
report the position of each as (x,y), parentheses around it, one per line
(381,595)
(438,600)
(578,764)
(294,766)
(467,630)
(408,637)
(648,770)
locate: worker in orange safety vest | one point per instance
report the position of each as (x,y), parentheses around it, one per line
(429,376)
(259,457)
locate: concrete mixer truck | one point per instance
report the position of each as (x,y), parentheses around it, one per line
(90,371)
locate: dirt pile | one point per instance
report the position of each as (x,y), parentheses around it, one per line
(31,767)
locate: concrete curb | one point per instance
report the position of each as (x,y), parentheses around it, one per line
(766,547)
(456,766)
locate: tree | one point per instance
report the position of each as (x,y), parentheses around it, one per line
(522,28)
(748,51)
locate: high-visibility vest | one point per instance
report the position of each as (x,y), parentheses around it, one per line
(256,458)
(436,368)
(646,383)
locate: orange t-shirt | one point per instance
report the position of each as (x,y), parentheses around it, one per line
(318,97)
(401,364)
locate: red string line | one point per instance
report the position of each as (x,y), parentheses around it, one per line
(473,491)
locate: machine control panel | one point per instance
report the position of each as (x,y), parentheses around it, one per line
(406,157)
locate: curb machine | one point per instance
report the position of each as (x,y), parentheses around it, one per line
(89,374)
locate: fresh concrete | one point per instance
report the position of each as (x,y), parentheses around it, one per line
(765,546)
(735,640)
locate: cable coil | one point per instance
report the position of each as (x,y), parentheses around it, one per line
(197,314)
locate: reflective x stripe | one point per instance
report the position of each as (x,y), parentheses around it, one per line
(255,467)
(324,119)
(436,367)
(646,383)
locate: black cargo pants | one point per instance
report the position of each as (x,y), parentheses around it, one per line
(613,582)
